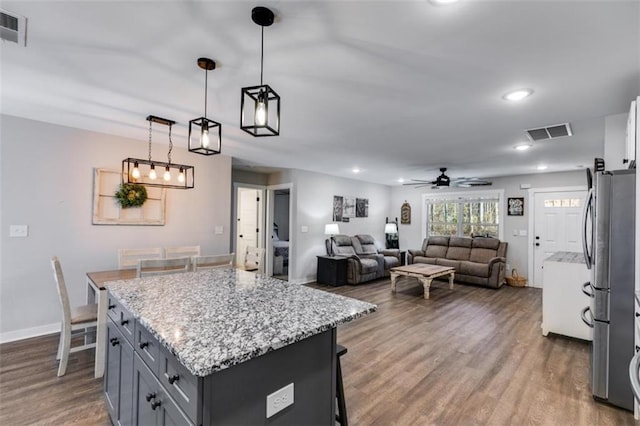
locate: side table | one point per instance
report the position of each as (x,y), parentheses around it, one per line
(403,258)
(332,270)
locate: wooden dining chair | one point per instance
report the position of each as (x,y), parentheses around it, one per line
(254,259)
(152,267)
(181,251)
(128,258)
(73,319)
(213,261)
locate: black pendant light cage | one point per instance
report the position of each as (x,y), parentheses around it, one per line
(260,105)
(249,104)
(205,135)
(158,173)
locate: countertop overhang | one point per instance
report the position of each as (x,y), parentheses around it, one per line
(214,319)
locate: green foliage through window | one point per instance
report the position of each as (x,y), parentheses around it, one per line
(463,217)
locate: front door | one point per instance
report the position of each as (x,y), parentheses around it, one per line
(557,226)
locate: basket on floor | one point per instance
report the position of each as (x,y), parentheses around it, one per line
(516,280)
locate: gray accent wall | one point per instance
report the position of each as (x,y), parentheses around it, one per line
(47,184)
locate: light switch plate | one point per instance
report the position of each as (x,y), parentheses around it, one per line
(279,400)
(523,232)
(304,229)
(218,230)
(19,231)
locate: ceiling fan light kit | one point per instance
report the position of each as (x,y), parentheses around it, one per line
(260,105)
(444,181)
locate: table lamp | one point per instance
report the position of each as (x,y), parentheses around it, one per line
(331,229)
(390,228)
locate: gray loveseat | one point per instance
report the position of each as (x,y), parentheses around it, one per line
(479,261)
(366,261)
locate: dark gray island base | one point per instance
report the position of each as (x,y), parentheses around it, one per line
(208,348)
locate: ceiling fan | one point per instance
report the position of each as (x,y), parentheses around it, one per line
(444,181)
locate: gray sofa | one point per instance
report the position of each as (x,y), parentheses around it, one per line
(480,261)
(366,261)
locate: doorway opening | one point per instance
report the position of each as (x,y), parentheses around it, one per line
(279,241)
(249,221)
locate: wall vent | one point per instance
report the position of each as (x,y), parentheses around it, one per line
(13,28)
(549,132)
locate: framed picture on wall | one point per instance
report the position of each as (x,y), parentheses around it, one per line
(337,208)
(515,206)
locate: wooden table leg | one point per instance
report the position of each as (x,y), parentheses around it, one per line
(426,283)
(394,276)
(101,329)
(451,280)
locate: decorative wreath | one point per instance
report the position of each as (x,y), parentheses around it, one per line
(131,195)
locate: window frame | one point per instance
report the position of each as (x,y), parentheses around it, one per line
(464,196)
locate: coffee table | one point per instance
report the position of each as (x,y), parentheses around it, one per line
(424,273)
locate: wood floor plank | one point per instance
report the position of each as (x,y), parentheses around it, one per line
(468,356)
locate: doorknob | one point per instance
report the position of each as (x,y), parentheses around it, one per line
(537,244)
(537,237)
(240,235)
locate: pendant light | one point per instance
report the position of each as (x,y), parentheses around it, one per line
(147,172)
(205,135)
(260,105)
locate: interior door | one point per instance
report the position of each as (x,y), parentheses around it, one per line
(557,226)
(248,228)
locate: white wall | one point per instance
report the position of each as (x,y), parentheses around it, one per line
(411,236)
(47,184)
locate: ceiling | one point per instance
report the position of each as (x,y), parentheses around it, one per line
(397,89)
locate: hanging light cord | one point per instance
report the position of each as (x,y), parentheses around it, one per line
(261,55)
(170,145)
(206,73)
(149,140)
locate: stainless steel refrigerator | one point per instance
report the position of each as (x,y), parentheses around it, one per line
(609,246)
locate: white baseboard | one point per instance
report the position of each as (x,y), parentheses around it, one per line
(26,333)
(305,280)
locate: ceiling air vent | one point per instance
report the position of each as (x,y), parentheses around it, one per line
(13,28)
(549,132)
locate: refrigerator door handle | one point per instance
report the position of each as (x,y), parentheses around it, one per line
(583,315)
(585,215)
(634,365)
(584,289)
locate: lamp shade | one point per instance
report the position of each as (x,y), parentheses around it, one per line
(390,228)
(331,229)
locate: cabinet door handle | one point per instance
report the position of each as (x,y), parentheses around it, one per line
(143,345)
(112,306)
(113,339)
(173,379)
(155,404)
(150,396)
(124,322)
(637,314)
(115,342)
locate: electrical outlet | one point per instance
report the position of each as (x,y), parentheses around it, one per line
(279,400)
(19,231)
(304,229)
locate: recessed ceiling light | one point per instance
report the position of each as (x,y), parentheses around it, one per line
(401,180)
(517,95)
(542,167)
(522,146)
(443,1)
(355,170)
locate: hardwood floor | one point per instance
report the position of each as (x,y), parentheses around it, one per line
(471,356)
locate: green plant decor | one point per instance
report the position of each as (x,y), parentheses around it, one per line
(131,195)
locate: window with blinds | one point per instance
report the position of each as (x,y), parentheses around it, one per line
(464,216)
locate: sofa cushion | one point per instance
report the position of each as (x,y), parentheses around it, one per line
(420,259)
(458,253)
(436,240)
(342,240)
(434,250)
(460,242)
(369,265)
(391,262)
(485,243)
(481,255)
(364,244)
(342,246)
(474,269)
(448,262)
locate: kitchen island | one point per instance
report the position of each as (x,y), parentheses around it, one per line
(223,346)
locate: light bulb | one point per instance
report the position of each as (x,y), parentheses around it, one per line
(181,175)
(205,138)
(135,173)
(167,174)
(152,172)
(261,109)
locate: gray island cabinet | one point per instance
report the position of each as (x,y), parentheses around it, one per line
(222,346)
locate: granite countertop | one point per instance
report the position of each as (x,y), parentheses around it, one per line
(566,257)
(213,319)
